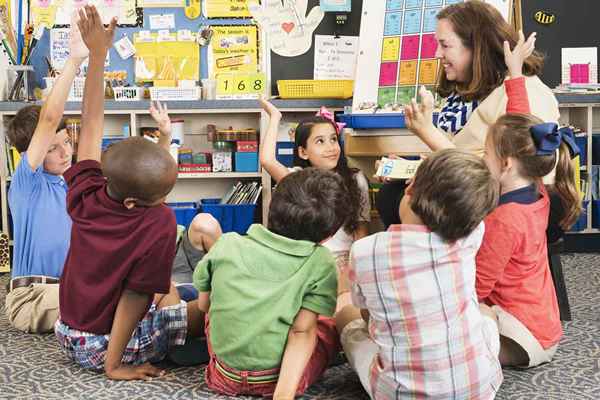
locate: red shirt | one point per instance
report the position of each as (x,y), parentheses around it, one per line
(112,249)
(513,270)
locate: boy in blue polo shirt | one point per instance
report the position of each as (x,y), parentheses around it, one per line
(37,200)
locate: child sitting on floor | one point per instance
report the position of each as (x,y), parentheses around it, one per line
(513,276)
(117,304)
(37,199)
(263,293)
(414,286)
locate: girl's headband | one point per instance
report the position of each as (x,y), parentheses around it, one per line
(548,137)
(328,115)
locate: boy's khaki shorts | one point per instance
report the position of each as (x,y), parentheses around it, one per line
(33,308)
(510,327)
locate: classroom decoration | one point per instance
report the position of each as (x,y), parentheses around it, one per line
(233,49)
(240,86)
(225,8)
(335,57)
(166,56)
(289,29)
(192,9)
(544,17)
(58,12)
(579,65)
(397,51)
(336,5)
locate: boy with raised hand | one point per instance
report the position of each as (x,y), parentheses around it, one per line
(118,309)
(37,199)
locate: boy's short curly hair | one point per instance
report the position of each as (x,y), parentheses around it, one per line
(452,192)
(21,128)
(308,205)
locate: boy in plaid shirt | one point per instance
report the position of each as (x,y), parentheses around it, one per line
(418,331)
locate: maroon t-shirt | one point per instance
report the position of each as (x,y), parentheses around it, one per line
(112,249)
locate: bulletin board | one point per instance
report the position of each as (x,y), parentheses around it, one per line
(302,66)
(397,50)
(574,25)
(142,22)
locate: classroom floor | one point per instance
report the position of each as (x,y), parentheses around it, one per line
(32,366)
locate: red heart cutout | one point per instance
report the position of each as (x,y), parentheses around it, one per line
(288,26)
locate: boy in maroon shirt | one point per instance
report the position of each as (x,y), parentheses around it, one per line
(118,308)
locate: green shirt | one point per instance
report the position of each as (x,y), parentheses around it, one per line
(258,284)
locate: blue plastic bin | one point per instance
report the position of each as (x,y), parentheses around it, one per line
(231,217)
(376,121)
(581,223)
(184,212)
(107,141)
(246,161)
(596,214)
(581,142)
(285,153)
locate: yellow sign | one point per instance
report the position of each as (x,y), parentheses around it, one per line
(226,8)
(240,86)
(544,18)
(233,49)
(408,73)
(427,72)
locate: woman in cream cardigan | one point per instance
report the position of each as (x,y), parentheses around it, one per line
(470,39)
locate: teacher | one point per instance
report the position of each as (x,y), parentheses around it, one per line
(470,38)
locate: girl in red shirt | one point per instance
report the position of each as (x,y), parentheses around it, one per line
(513,276)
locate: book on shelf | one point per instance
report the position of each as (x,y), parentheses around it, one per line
(242,193)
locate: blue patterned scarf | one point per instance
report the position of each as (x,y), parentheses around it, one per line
(455,113)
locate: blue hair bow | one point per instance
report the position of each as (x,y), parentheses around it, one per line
(548,137)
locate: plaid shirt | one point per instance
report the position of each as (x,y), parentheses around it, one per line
(420,293)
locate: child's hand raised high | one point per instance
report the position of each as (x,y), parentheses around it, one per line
(270,109)
(77,49)
(97,38)
(160,114)
(514,59)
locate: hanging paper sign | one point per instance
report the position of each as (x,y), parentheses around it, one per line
(244,86)
(225,8)
(336,5)
(289,29)
(233,49)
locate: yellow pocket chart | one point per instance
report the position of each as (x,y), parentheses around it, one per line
(167,60)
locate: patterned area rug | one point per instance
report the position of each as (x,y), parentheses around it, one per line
(32,366)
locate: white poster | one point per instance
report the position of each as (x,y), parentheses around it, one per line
(335,57)
(162,21)
(289,29)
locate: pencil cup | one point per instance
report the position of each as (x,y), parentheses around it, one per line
(19,79)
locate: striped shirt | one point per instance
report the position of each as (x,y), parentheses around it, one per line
(425,319)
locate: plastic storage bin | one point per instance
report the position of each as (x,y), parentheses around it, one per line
(246,162)
(184,212)
(285,153)
(315,89)
(596,214)
(376,121)
(231,217)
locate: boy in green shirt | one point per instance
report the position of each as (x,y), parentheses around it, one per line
(264,292)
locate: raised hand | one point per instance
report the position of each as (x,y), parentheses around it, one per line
(514,59)
(77,49)
(419,117)
(270,109)
(160,114)
(290,30)
(97,38)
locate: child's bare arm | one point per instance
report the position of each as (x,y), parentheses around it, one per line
(98,40)
(301,342)
(204,301)
(160,114)
(268,146)
(130,310)
(51,114)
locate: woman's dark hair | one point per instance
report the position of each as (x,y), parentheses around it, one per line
(354,197)
(483,30)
